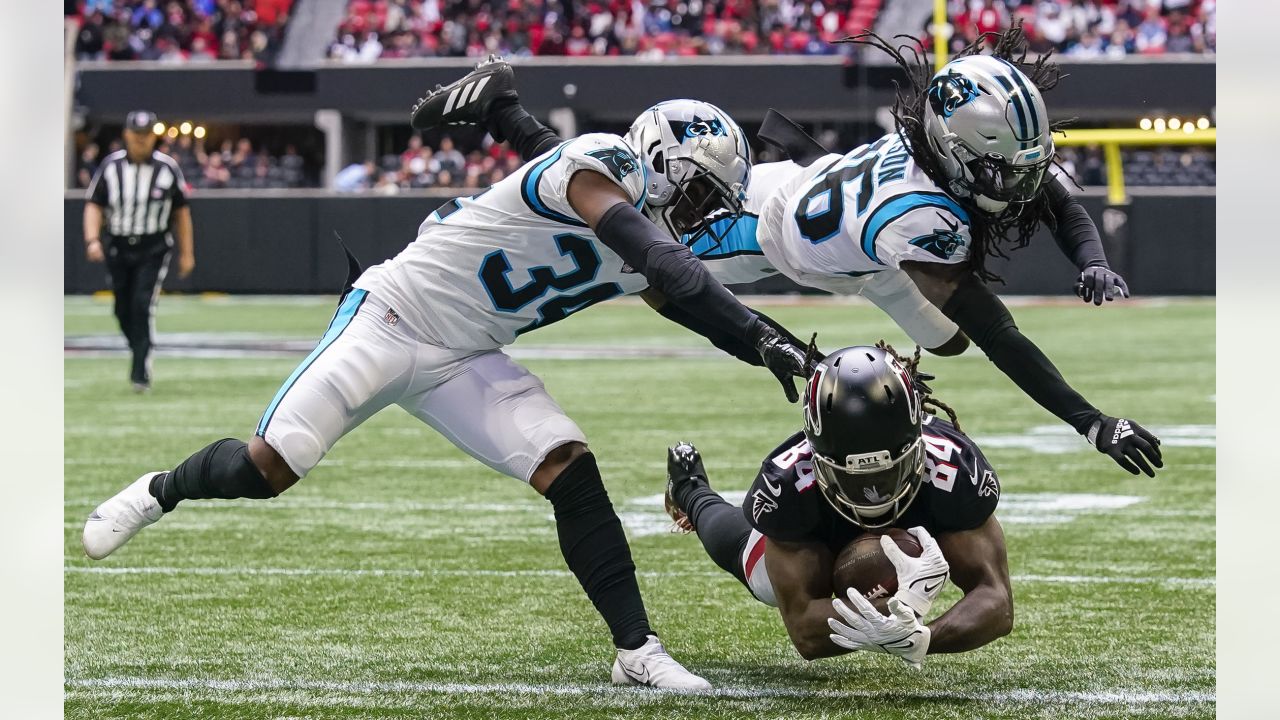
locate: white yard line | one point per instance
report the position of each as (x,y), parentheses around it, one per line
(632,696)
(478,572)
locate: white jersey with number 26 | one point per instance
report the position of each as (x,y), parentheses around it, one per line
(514,258)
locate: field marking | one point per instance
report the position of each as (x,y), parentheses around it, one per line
(1060,439)
(479,572)
(633,695)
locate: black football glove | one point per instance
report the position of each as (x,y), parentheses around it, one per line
(784,360)
(1128,443)
(1097,283)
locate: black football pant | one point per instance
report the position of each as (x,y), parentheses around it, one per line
(136,275)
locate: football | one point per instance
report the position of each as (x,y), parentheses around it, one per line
(862,564)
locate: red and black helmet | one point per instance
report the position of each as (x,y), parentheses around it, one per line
(862,418)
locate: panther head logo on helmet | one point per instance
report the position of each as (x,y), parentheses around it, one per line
(697,163)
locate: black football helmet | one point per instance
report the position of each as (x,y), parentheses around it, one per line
(862,418)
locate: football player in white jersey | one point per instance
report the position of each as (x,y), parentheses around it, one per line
(425,329)
(910,219)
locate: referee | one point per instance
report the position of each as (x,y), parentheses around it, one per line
(135,199)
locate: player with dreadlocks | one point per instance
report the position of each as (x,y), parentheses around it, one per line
(909,220)
(871,456)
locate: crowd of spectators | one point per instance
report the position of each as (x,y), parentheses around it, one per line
(180,31)
(233,164)
(647,28)
(1094,28)
(421,166)
(656,28)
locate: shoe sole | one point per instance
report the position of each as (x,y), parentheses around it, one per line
(461,93)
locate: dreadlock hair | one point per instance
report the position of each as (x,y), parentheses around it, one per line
(990,232)
(927,401)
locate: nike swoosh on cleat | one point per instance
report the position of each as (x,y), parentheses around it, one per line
(640,677)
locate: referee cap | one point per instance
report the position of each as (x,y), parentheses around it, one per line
(140,121)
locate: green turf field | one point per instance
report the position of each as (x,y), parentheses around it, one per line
(403,579)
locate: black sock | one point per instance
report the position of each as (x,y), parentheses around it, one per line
(595,548)
(722,528)
(221,470)
(511,122)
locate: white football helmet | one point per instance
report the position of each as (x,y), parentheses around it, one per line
(696,162)
(987,125)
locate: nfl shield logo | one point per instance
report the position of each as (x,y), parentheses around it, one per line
(391,318)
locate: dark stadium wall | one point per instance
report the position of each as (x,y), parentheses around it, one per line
(284,243)
(614,90)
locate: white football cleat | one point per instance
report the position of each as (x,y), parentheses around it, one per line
(113,522)
(650,665)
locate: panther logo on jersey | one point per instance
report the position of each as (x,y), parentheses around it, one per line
(620,162)
(943,243)
(951,92)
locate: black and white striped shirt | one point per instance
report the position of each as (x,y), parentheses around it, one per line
(138,197)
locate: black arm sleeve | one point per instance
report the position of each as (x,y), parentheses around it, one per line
(721,339)
(673,270)
(987,322)
(530,138)
(1073,229)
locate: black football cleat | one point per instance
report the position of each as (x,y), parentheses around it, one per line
(467,101)
(683,464)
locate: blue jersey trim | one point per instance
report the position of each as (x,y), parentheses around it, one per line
(898,206)
(341,320)
(529,190)
(741,239)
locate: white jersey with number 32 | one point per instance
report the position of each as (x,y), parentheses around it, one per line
(514,258)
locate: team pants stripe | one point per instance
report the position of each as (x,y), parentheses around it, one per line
(341,319)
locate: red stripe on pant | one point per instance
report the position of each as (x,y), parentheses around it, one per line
(753,556)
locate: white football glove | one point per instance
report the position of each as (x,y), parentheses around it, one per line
(920,580)
(898,633)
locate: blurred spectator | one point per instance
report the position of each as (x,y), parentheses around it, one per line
(354,177)
(175,31)
(1093,28)
(235,164)
(87,165)
(657,28)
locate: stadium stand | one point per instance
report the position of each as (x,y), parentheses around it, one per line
(424,28)
(1095,28)
(234,164)
(179,31)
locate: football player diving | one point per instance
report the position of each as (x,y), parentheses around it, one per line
(909,220)
(870,456)
(425,331)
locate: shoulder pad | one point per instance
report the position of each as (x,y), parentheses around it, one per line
(546,183)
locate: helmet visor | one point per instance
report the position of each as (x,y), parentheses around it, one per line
(689,215)
(1003,181)
(871,490)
